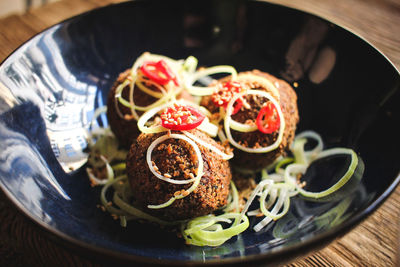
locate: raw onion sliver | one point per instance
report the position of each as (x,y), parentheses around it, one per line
(196,179)
(209,146)
(228,119)
(207,90)
(162,139)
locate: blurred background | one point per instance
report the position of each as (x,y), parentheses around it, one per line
(10,7)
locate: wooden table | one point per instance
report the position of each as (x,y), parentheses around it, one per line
(373,243)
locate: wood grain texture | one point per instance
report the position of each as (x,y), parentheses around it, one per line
(373,243)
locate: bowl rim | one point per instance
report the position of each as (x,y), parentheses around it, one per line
(82,247)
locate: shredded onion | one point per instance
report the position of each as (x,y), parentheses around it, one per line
(148,115)
(160,140)
(175,65)
(119,99)
(195,181)
(313,135)
(228,119)
(204,90)
(208,127)
(209,146)
(207,230)
(190,64)
(262,81)
(282,199)
(343,180)
(241,127)
(140,84)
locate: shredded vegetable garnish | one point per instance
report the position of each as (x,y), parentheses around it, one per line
(195,180)
(158,72)
(201,90)
(275,189)
(209,230)
(209,146)
(270,194)
(155,75)
(228,120)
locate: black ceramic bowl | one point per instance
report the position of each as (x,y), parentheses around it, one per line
(348,92)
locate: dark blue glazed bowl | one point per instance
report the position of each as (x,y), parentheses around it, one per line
(49,87)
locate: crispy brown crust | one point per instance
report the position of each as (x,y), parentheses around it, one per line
(288,103)
(177,158)
(126,130)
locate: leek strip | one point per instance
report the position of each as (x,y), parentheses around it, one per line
(208,127)
(140,84)
(228,119)
(119,99)
(256,190)
(157,103)
(284,161)
(175,65)
(295,168)
(298,151)
(342,181)
(286,205)
(104,200)
(262,81)
(119,166)
(173,136)
(234,203)
(208,146)
(195,181)
(281,200)
(190,64)
(207,231)
(136,212)
(241,127)
(119,91)
(203,91)
(313,135)
(148,115)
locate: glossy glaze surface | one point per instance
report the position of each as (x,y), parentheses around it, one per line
(347,91)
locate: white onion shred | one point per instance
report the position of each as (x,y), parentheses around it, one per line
(263,82)
(209,146)
(207,90)
(166,179)
(228,120)
(148,115)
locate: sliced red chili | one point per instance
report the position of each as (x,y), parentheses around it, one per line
(158,72)
(268,120)
(237,106)
(181,118)
(223,95)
